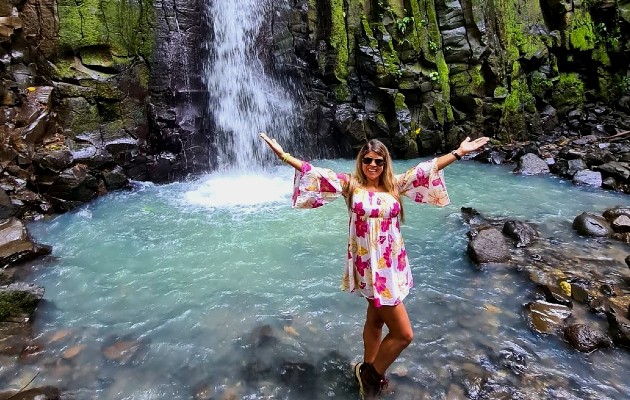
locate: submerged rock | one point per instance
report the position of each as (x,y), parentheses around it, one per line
(43,393)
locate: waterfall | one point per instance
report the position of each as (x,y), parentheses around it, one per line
(243,99)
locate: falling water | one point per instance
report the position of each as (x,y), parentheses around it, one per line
(243,99)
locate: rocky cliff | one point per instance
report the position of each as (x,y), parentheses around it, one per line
(98,92)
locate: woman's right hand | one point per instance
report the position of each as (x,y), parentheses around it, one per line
(275,146)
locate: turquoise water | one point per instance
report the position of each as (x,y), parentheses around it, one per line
(228,292)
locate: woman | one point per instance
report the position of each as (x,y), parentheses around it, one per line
(376,265)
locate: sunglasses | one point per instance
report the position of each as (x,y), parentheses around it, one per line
(378,161)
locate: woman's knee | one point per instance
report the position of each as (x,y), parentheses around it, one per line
(405,337)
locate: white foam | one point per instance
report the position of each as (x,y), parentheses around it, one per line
(224,190)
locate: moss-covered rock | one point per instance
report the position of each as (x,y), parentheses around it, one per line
(123,26)
(19,299)
(568,92)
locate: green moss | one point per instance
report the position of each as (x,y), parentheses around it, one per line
(580,30)
(517,18)
(516,104)
(390,62)
(569,92)
(399,102)
(339,40)
(601,55)
(540,85)
(126,27)
(342,92)
(443,74)
(15,303)
(604,80)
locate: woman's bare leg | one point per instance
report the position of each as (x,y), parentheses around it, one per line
(372,333)
(397,339)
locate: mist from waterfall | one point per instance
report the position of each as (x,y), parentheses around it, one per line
(243,99)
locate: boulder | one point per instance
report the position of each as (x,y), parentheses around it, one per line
(588,178)
(586,339)
(15,244)
(488,245)
(589,224)
(531,164)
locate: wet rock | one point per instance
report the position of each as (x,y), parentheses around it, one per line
(609,183)
(590,224)
(618,327)
(472,217)
(488,245)
(613,213)
(15,337)
(334,374)
(115,178)
(554,294)
(513,358)
(7,209)
(122,351)
(55,161)
(522,233)
(628,261)
(73,351)
(298,375)
(545,317)
(581,292)
(622,237)
(491,156)
(586,339)
(531,164)
(19,300)
(43,393)
(15,244)
(614,169)
(621,224)
(588,178)
(31,353)
(568,168)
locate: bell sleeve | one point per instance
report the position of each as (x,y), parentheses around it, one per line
(313,187)
(424,183)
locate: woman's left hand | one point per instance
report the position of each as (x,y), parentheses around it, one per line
(468,146)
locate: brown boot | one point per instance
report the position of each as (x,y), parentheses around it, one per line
(371,383)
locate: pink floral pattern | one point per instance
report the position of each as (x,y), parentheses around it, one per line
(377,266)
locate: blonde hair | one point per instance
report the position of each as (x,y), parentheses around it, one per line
(386,179)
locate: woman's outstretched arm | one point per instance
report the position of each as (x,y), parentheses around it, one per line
(284,156)
(467,146)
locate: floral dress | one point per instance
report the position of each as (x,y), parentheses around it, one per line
(376,265)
